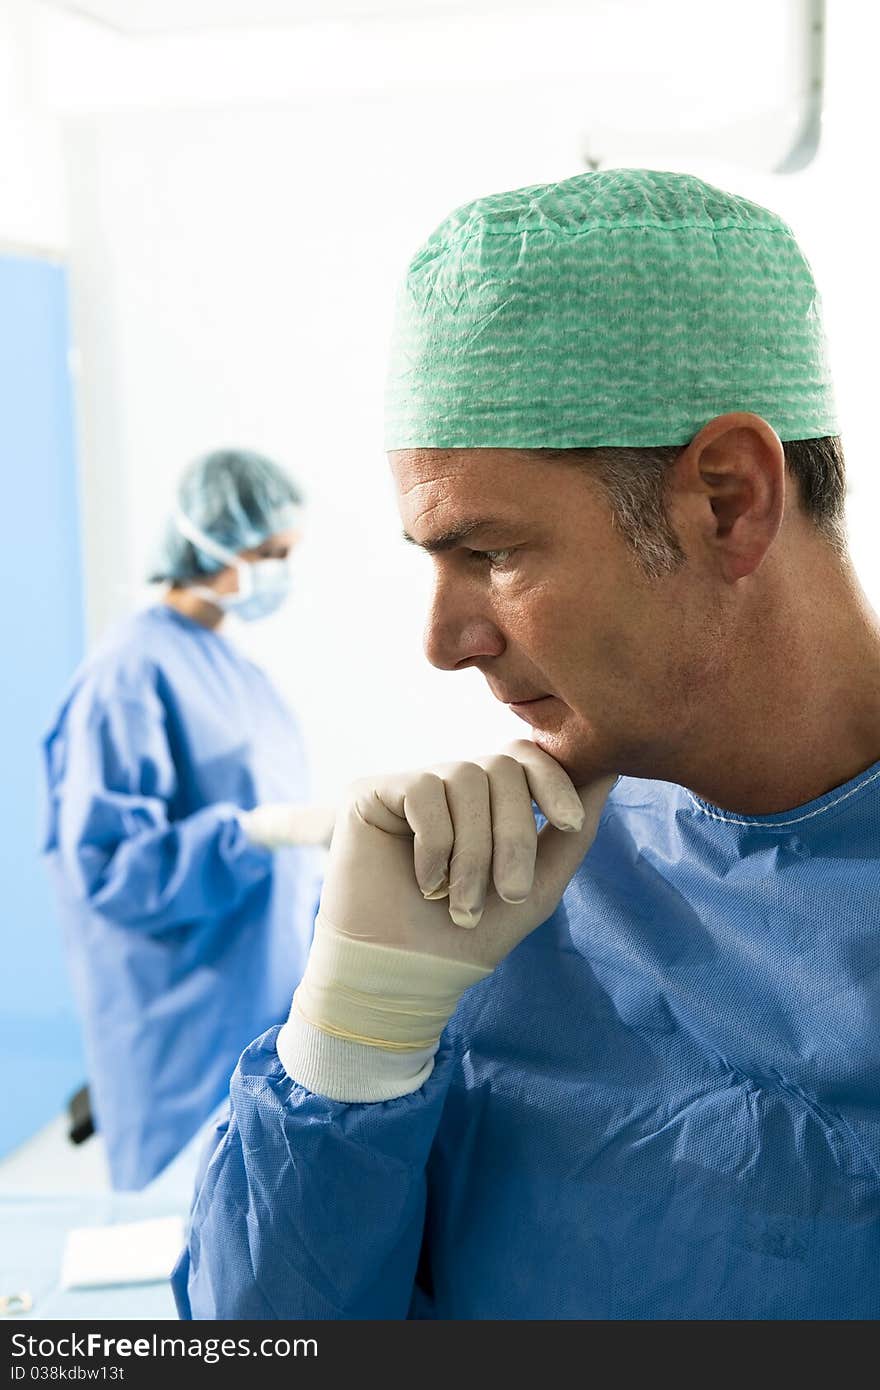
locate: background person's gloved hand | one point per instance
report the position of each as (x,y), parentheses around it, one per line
(433,877)
(277,825)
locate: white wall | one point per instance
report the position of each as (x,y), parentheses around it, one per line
(235,285)
(234,274)
(33,215)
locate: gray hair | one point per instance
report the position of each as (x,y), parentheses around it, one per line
(635,482)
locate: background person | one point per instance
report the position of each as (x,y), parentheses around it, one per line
(174,770)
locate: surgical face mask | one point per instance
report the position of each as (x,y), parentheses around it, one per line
(263,585)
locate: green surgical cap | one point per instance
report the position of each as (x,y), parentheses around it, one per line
(626,307)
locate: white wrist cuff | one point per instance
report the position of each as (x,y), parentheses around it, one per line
(348,1071)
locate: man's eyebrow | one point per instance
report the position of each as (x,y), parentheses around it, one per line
(448,540)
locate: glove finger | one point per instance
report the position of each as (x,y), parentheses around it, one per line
(514,833)
(560,854)
(419,800)
(470,865)
(550,786)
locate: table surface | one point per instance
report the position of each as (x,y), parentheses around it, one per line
(49,1186)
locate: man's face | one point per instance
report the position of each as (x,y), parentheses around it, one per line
(535,587)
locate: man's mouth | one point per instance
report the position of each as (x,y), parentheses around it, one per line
(535,711)
(526,706)
(521,698)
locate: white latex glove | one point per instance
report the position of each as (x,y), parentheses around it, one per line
(276,825)
(433,877)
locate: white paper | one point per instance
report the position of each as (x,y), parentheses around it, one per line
(136,1252)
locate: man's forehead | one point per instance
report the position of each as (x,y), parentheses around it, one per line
(449,496)
(465,468)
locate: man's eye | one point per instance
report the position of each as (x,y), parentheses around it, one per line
(493,558)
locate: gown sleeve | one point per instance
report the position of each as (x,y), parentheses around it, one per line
(309,1208)
(111,780)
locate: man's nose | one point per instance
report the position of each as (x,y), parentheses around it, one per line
(457,633)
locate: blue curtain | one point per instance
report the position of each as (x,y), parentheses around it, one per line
(41,641)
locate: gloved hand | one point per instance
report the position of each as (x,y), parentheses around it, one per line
(433,877)
(276,825)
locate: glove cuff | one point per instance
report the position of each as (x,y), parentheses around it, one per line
(380,996)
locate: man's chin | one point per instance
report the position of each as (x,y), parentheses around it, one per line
(581,757)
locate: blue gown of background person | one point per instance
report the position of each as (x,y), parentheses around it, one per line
(185,937)
(664,1104)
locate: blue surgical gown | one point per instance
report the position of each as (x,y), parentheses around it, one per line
(184,939)
(664,1104)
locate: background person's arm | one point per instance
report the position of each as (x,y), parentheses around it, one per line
(111,785)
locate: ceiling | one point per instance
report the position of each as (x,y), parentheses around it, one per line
(656,77)
(146,17)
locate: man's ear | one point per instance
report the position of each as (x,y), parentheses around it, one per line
(733,475)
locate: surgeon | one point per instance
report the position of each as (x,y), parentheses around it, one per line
(621,1064)
(181,838)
